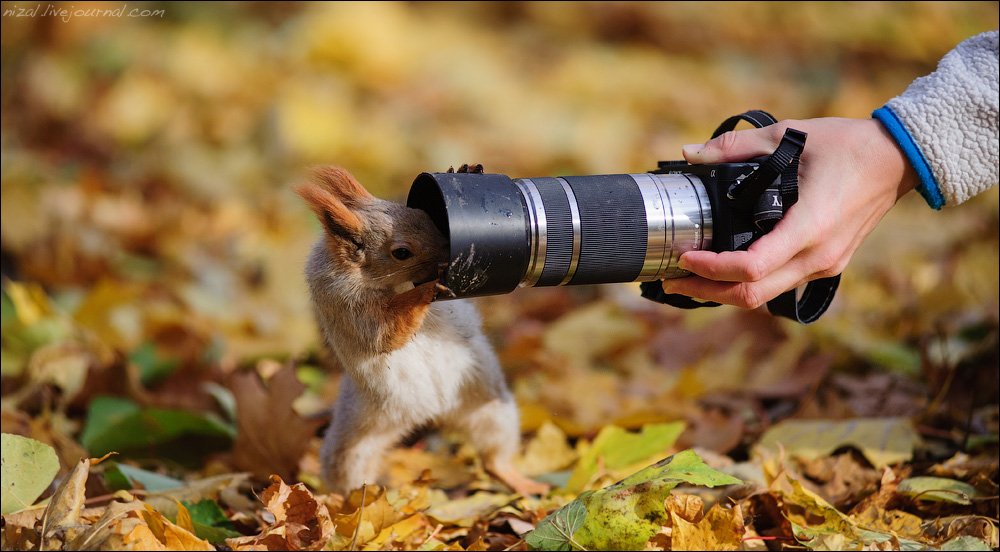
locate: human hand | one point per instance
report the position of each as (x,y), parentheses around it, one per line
(850,174)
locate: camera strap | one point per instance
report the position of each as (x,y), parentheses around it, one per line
(775,183)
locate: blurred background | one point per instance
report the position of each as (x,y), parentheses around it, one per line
(152,244)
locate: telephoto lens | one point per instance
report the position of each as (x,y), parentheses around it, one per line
(569,230)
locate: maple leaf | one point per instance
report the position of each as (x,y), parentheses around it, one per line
(271,437)
(300,521)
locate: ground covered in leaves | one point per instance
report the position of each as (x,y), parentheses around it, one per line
(161,383)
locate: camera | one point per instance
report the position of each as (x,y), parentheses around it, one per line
(506,233)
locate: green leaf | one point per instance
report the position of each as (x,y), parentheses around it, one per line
(150,481)
(115,424)
(937,489)
(555,532)
(883,441)
(153,366)
(206,512)
(966,542)
(27,468)
(625,515)
(210,522)
(621,449)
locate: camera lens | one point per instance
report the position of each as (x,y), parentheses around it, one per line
(565,230)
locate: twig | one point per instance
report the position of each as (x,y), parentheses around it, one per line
(511,547)
(102,498)
(431,536)
(361,511)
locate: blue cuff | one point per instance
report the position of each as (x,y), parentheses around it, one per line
(928,186)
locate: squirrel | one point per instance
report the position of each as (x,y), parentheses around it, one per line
(410,362)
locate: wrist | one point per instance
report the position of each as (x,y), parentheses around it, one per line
(918,171)
(899,171)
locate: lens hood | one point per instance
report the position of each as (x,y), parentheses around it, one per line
(485,220)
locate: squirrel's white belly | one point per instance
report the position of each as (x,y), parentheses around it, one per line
(427,374)
(423,380)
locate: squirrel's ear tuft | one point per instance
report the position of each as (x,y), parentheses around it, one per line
(339,221)
(342,184)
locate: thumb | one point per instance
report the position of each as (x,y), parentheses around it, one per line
(735,145)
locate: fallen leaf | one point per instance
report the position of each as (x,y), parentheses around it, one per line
(211,488)
(271,437)
(843,480)
(127,477)
(952,527)
(937,489)
(300,521)
(465,511)
(28,467)
(619,449)
(883,441)
(546,452)
(624,516)
(556,531)
(719,529)
(119,425)
(63,510)
(690,508)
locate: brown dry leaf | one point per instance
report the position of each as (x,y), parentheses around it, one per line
(980,472)
(300,521)
(714,430)
(899,523)
(96,535)
(845,481)
(271,437)
(720,529)
(63,511)
(950,527)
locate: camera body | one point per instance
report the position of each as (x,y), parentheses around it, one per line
(734,226)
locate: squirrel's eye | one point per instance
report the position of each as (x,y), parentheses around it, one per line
(401,253)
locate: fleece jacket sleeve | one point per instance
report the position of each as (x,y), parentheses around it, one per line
(946,123)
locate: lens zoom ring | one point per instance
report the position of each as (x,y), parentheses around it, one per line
(613,228)
(559,223)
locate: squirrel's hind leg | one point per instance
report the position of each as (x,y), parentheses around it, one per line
(494,430)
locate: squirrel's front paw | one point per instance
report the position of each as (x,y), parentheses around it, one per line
(442,290)
(476,168)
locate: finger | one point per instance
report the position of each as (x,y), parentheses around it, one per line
(748,295)
(775,249)
(735,145)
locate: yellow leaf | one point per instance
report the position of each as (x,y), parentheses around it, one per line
(688,507)
(720,529)
(30,302)
(184,518)
(464,512)
(883,441)
(547,452)
(398,531)
(371,515)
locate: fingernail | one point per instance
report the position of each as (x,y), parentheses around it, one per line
(668,286)
(692,149)
(683,264)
